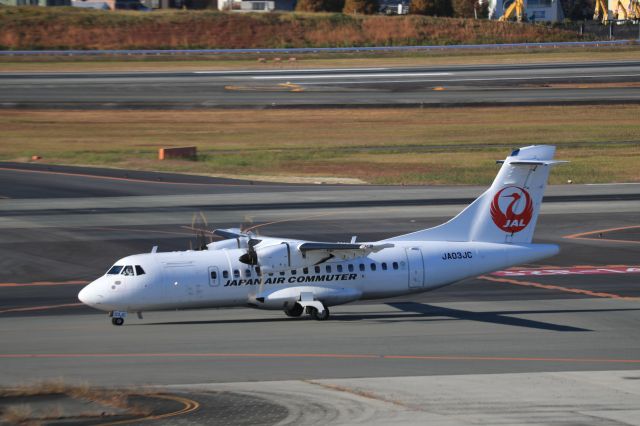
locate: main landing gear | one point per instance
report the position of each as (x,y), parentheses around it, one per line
(295,311)
(318,315)
(317,311)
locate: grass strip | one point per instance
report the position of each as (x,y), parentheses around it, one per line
(316,60)
(383,146)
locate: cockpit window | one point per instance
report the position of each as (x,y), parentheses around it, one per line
(139,270)
(128,270)
(115,270)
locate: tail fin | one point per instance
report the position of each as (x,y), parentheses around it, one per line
(507,212)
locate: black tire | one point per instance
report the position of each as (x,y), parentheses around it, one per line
(295,311)
(117,321)
(318,316)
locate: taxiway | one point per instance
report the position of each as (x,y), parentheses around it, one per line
(400,360)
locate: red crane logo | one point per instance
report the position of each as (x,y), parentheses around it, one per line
(512,216)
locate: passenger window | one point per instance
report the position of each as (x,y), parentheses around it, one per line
(328,268)
(128,270)
(139,270)
(247,273)
(225,274)
(384,266)
(395,265)
(362,267)
(317,269)
(293,272)
(350,268)
(305,271)
(282,273)
(339,268)
(236,273)
(214,275)
(257,268)
(373,266)
(115,270)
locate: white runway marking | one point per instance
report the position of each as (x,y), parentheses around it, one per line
(372,75)
(449,80)
(309,70)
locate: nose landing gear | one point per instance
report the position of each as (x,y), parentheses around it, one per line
(117,317)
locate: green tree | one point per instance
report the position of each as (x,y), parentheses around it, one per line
(333,5)
(319,5)
(366,7)
(431,7)
(422,7)
(310,6)
(464,8)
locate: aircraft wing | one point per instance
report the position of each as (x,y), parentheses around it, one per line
(343,250)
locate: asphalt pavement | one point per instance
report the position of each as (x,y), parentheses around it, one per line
(485,345)
(567,83)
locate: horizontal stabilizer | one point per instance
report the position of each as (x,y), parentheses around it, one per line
(533,162)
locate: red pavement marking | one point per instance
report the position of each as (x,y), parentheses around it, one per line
(559,288)
(44,283)
(41,308)
(574,270)
(584,235)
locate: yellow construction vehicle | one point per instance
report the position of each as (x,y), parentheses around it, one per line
(601,8)
(621,11)
(516,8)
(634,9)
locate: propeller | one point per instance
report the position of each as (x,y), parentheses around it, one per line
(199,227)
(250,257)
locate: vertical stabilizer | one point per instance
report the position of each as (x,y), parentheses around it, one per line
(508,211)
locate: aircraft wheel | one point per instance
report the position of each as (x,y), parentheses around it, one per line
(295,311)
(117,321)
(320,316)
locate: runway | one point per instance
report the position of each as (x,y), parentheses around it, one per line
(527,329)
(570,83)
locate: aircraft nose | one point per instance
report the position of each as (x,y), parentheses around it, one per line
(89,295)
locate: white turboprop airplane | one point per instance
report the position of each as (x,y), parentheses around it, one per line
(493,232)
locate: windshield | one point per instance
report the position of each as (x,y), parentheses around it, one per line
(115,270)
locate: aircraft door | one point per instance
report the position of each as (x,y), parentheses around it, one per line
(416,267)
(214,276)
(182,282)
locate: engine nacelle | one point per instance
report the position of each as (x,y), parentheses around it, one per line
(284,256)
(287,297)
(231,243)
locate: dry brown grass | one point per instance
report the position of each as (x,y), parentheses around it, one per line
(68,28)
(357,60)
(19,414)
(411,146)
(22,414)
(45,387)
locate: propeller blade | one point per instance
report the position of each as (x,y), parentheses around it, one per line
(251,256)
(228,234)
